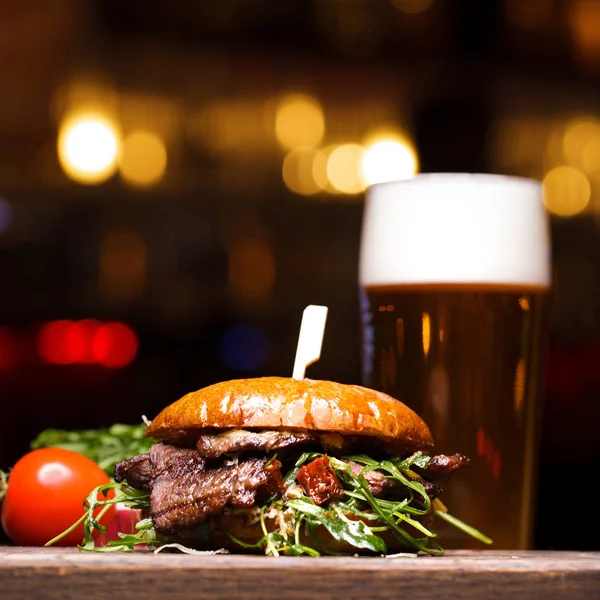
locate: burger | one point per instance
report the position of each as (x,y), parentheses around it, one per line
(282,466)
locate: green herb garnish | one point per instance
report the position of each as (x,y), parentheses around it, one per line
(3,484)
(358,518)
(106,446)
(99,499)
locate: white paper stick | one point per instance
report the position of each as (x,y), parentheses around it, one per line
(310,338)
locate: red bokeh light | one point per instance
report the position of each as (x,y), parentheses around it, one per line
(112,345)
(50,342)
(78,341)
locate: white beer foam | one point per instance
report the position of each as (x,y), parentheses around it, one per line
(455,228)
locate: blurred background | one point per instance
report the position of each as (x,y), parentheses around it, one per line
(178,180)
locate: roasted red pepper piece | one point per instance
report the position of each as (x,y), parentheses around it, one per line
(320,482)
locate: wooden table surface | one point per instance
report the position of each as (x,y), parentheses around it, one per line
(65,573)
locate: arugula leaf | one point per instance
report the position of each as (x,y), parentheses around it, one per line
(464,527)
(100,498)
(356,533)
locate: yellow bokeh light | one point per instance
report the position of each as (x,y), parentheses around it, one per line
(299,173)
(426,332)
(319,169)
(567,191)
(344,169)
(299,121)
(519,386)
(144,159)
(389,158)
(88,148)
(579,135)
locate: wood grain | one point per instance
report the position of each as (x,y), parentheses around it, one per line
(68,574)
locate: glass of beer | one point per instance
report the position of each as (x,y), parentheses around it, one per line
(454,275)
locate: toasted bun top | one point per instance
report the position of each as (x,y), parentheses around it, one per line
(291,404)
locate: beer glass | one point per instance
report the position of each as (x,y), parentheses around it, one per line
(454,275)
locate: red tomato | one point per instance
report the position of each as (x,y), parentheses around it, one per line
(46,490)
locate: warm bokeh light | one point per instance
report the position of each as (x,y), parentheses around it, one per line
(77,341)
(580,135)
(567,191)
(232,127)
(519,386)
(144,159)
(123,264)
(88,148)
(389,158)
(114,345)
(344,169)
(584,22)
(251,268)
(426,333)
(524,303)
(319,169)
(50,346)
(299,174)
(66,342)
(299,121)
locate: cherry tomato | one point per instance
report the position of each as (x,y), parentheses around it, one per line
(45,495)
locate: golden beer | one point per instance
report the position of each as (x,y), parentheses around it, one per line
(461,344)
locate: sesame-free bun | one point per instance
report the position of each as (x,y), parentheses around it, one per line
(282,403)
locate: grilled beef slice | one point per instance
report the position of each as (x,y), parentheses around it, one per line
(137,471)
(184,493)
(441,466)
(181,499)
(237,440)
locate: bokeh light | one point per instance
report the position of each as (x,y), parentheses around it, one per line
(144,159)
(344,169)
(114,345)
(50,344)
(567,191)
(299,174)
(580,135)
(583,18)
(299,121)
(426,332)
(243,348)
(389,158)
(88,148)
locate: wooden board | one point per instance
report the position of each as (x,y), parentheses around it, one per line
(67,573)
